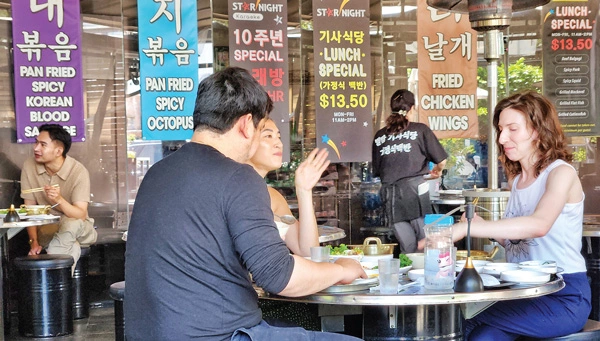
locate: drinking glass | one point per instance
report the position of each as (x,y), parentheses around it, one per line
(389,275)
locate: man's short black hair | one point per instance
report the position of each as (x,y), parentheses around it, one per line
(227,95)
(58,133)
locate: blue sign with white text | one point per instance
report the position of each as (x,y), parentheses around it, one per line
(168,48)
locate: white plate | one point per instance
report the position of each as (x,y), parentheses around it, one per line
(496,269)
(374,259)
(525,276)
(362,281)
(357,285)
(333,258)
(548,266)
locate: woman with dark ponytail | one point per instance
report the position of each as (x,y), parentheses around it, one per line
(402,151)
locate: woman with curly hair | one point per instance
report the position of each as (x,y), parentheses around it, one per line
(542,221)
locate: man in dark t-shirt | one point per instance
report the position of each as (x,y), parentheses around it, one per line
(202,222)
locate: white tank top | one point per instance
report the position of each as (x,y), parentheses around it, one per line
(562,243)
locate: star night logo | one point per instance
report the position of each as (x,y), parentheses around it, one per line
(257,7)
(341,11)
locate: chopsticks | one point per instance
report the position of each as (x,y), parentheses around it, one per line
(38,189)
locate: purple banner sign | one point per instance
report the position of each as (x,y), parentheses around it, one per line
(47,62)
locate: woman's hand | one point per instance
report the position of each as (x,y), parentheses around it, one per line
(310,170)
(459,230)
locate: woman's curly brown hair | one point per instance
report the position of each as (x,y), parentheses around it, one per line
(541,115)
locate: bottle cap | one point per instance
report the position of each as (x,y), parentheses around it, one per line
(430,218)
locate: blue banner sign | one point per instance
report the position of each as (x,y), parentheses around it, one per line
(168,47)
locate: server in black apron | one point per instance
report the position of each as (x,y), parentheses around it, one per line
(402,151)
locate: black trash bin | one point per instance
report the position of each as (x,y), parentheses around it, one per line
(81,300)
(45,295)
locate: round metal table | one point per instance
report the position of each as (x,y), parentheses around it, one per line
(416,313)
(27,222)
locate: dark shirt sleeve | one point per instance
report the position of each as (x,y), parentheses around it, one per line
(254,233)
(435,150)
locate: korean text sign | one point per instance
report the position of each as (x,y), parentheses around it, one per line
(571,44)
(258,43)
(47,64)
(168,47)
(447,59)
(342,61)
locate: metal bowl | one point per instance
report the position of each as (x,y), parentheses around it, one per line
(477,254)
(374,249)
(36,209)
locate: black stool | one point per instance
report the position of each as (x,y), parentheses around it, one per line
(45,297)
(81,300)
(590,332)
(117,293)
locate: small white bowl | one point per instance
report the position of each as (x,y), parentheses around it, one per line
(496,269)
(415,274)
(547,266)
(525,276)
(405,269)
(418,260)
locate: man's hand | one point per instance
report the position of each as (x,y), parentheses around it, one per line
(352,270)
(421,244)
(53,194)
(35,248)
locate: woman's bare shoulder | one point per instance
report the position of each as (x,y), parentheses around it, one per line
(278,203)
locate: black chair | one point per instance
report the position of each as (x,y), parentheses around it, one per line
(81,300)
(117,293)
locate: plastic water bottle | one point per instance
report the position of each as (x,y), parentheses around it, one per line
(439,249)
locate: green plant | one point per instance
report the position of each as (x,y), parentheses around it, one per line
(580,155)
(457,152)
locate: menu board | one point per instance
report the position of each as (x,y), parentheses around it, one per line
(168,47)
(342,59)
(447,57)
(570,64)
(47,67)
(258,43)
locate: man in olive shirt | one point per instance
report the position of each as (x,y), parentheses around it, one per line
(66,184)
